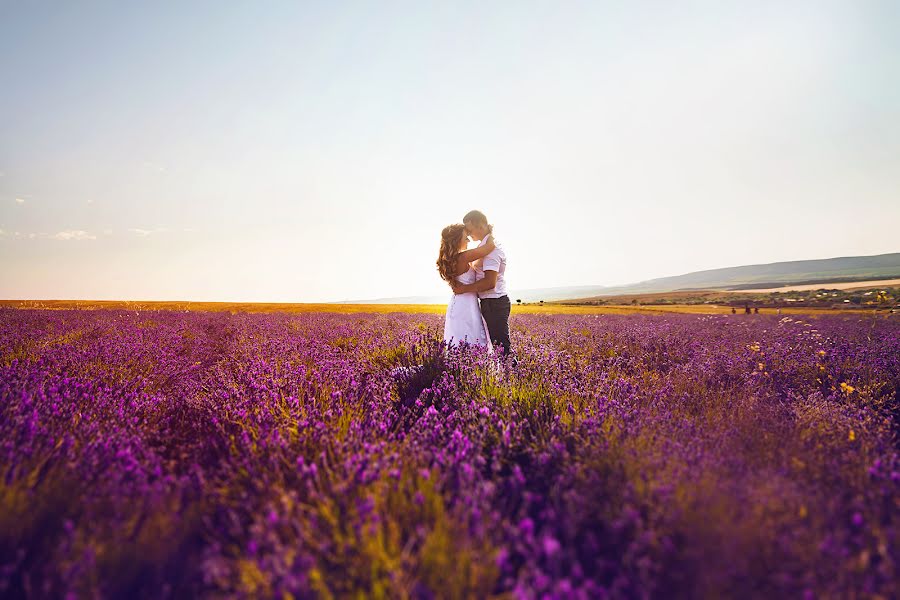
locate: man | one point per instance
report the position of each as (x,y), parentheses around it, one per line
(490,281)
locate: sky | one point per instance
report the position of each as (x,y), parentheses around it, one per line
(313,151)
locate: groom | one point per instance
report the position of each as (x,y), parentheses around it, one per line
(490,282)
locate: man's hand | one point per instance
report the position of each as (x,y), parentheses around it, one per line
(458,288)
(482,285)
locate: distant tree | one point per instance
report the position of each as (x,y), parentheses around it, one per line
(542,301)
(518,301)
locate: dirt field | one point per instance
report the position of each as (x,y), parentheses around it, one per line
(847,285)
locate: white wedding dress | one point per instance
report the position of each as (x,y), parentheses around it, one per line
(464,320)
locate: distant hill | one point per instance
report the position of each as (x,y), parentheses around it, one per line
(796,272)
(825,270)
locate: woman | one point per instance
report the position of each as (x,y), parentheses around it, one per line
(464,321)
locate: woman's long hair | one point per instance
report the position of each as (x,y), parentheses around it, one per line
(451,239)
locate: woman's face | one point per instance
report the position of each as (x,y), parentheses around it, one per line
(463,242)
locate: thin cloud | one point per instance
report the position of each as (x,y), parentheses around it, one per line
(145,232)
(73,234)
(66,235)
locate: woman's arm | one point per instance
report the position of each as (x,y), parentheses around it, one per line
(482,285)
(479,252)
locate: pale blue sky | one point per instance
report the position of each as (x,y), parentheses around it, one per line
(313,151)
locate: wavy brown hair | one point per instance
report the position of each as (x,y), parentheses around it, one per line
(451,239)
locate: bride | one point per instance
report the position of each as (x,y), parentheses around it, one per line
(464,321)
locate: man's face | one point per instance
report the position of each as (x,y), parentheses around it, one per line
(475,231)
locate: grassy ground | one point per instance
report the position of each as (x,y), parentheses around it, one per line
(256,307)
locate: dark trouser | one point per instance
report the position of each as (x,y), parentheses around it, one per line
(496,314)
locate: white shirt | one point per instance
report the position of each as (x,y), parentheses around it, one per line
(495,261)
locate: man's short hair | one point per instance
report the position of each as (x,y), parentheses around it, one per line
(475,216)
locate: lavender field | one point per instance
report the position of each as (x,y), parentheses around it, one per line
(196,454)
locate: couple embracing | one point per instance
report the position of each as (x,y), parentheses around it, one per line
(478,312)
